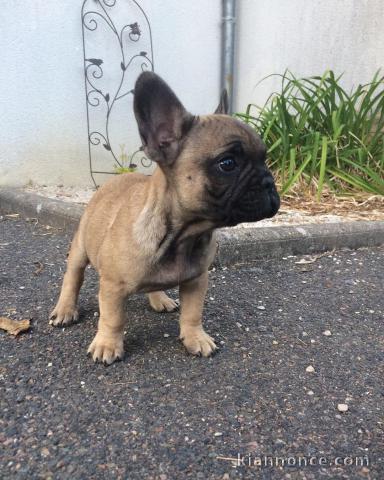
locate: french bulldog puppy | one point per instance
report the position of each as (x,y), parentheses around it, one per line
(150,233)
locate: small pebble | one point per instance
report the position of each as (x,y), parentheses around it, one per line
(96,314)
(310,392)
(310,369)
(218,434)
(45,452)
(342,407)
(327,333)
(260,307)
(166,335)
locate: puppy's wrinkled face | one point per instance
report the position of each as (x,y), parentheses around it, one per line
(214,164)
(223,172)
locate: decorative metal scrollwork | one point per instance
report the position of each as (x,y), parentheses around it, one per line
(114,47)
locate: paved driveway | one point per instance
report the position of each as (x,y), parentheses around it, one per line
(162,414)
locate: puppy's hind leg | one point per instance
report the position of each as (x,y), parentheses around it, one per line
(160,302)
(65,311)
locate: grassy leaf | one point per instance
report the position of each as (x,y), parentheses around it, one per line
(314,129)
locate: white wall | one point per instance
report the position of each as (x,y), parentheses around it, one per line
(308,37)
(43,133)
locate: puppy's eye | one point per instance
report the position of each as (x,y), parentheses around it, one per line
(227,164)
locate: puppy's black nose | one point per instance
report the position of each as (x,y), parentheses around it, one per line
(268,183)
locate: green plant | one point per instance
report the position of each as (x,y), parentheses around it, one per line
(318,133)
(123,169)
(126,165)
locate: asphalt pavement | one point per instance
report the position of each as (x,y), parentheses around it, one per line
(297,340)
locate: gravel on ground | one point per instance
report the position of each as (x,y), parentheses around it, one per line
(299,374)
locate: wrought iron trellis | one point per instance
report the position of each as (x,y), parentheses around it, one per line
(105,91)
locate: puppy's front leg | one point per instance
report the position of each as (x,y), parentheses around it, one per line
(192,295)
(107,346)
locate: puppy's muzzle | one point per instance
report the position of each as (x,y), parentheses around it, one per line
(260,200)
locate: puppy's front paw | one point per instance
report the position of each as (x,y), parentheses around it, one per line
(106,349)
(197,341)
(63,315)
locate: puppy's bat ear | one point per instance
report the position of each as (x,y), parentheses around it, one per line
(223,105)
(162,120)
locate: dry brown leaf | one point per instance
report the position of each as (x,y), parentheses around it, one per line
(302,261)
(39,268)
(14,327)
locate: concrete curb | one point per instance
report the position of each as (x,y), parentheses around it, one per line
(242,246)
(236,246)
(63,215)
